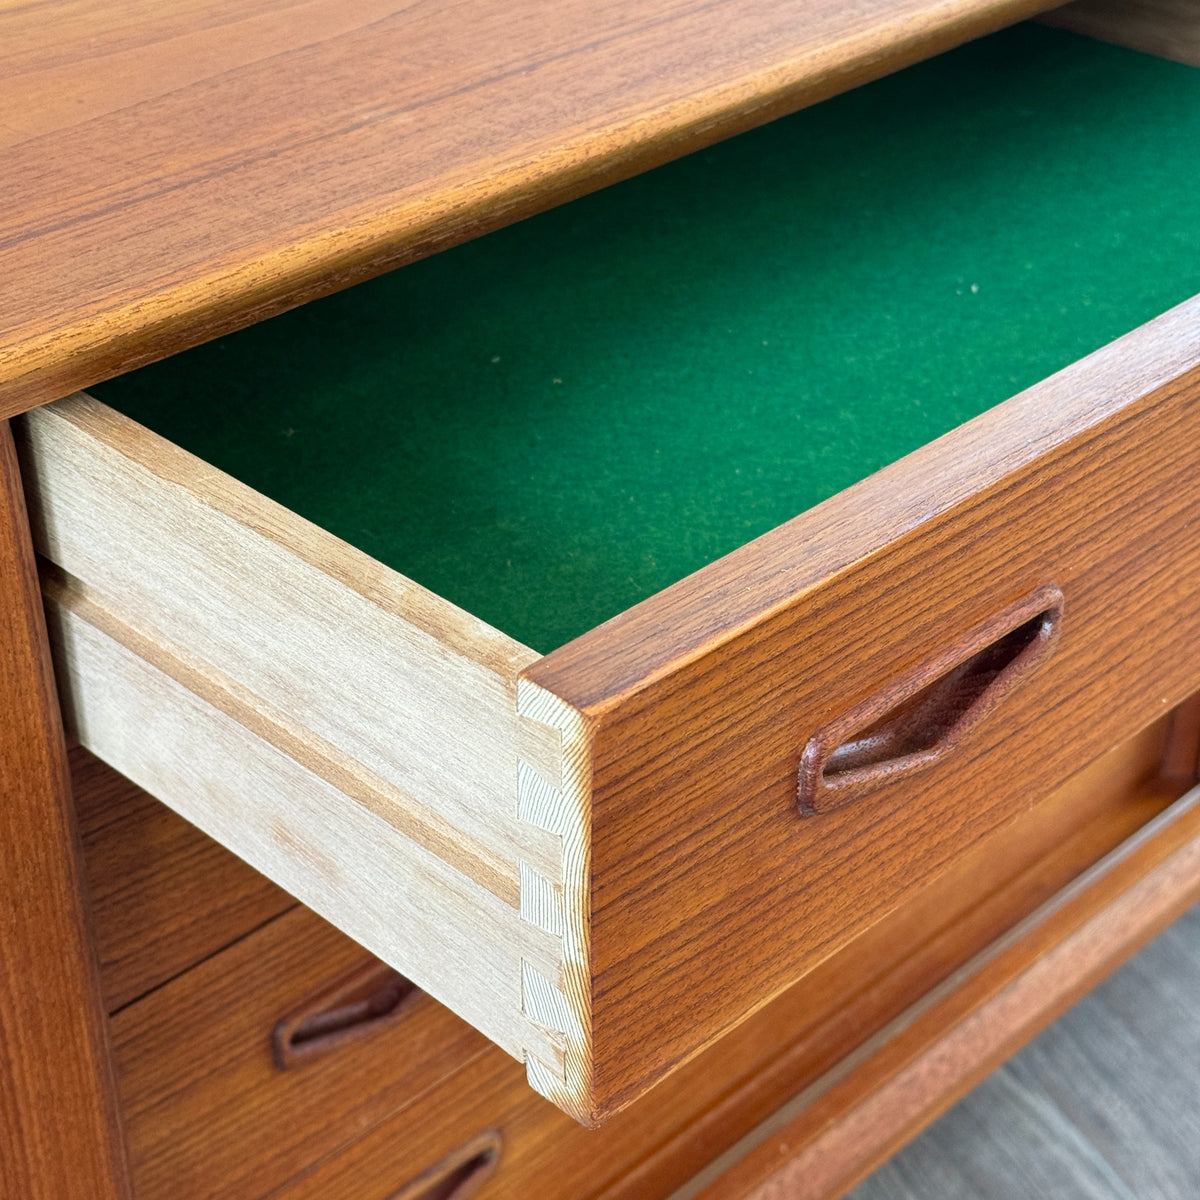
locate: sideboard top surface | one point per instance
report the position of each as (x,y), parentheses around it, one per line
(175,172)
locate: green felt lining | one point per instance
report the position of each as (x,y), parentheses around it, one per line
(559,419)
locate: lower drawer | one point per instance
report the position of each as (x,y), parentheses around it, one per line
(417,1102)
(804,1040)
(208,1109)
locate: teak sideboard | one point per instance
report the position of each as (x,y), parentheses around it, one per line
(757,869)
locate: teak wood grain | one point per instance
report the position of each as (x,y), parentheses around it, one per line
(60,1134)
(698,702)
(208,1110)
(812,1148)
(163,896)
(1169,28)
(174,173)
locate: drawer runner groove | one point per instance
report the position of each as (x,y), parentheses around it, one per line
(385,800)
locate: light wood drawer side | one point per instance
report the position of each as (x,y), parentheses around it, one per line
(351,735)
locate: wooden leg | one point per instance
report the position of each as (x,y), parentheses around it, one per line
(1168,28)
(60,1135)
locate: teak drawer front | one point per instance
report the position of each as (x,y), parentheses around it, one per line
(208,1110)
(699,703)
(570,852)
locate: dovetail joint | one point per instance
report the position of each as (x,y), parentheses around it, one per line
(559,1006)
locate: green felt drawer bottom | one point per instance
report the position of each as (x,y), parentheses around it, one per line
(554,422)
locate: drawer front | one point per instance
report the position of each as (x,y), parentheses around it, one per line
(233,1084)
(569,852)
(700,704)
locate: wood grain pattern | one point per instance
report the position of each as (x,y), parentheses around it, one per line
(173,174)
(207,1109)
(913,721)
(707,1105)
(450,936)
(460,1174)
(915,1068)
(856,992)
(700,700)
(360,1004)
(1169,28)
(163,896)
(61,1132)
(462,858)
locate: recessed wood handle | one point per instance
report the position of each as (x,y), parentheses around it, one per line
(917,719)
(370,998)
(459,1174)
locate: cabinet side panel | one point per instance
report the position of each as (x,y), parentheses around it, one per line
(60,1134)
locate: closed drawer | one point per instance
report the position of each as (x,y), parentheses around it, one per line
(799,1041)
(567,850)
(208,1109)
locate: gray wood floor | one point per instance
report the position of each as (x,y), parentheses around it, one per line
(1104,1105)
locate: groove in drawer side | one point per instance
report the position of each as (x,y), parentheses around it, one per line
(351,735)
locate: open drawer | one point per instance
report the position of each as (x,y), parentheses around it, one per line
(606,857)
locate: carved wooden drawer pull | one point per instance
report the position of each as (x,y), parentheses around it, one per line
(914,721)
(459,1174)
(371,998)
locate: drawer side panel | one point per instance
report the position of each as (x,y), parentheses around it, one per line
(401,902)
(350,734)
(415,690)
